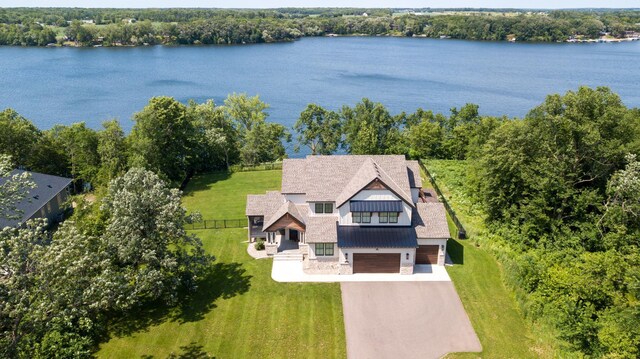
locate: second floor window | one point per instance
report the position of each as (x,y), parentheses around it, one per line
(388,217)
(361,217)
(324,207)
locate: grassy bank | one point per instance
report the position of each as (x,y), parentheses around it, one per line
(501,327)
(239,311)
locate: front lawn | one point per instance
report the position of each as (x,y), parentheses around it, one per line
(501,327)
(239,311)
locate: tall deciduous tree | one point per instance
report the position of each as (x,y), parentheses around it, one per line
(145,238)
(369,128)
(319,129)
(13,189)
(259,140)
(18,137)
(112,151)
(162,139)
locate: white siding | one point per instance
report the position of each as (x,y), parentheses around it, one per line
(295,198)
(415,194)
(312,209)
(404,218)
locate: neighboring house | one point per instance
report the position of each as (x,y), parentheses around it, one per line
(351,214)
(46,200)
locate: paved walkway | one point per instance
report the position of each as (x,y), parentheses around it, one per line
(291,271)
(405,320)
(251,249)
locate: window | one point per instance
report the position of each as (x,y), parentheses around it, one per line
(383,217)
(319,249)
(328,208)
(361,217)
(393,217)
(388,217)
(324,207)
(324,249)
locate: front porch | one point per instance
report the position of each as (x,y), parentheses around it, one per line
(286,241)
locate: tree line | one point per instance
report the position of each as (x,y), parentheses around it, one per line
(172,139)
(114,27)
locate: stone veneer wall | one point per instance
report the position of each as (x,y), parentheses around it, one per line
(406,268)
(321,266)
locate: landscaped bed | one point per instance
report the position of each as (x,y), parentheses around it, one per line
(239,311)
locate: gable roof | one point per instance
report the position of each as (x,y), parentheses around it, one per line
(286,208)
(324,178)
(47,187)
(415,180)
(430,220)
(367,174)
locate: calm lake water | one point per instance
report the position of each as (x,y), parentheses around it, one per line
(64,85)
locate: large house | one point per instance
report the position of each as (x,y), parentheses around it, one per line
(48,199)
(351,214)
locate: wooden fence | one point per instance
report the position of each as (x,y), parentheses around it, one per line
(218,224)
(462,233)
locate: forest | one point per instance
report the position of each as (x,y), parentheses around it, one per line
(559,190)
(135,27)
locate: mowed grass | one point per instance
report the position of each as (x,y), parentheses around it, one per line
(221,195)
(477,276)
(239,311)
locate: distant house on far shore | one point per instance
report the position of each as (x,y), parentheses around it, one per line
(47,200)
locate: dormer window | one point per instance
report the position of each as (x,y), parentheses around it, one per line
(361,217)
(326,207)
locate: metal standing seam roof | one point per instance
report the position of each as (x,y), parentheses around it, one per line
(376,206)
(47,187)
(377,237)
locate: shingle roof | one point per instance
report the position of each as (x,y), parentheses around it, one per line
(378,237)
(415,180)
(322,229)
(264,204)
(430,220)
(323,178)
(286,208)
(47,187)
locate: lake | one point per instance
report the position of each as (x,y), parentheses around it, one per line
(65,85)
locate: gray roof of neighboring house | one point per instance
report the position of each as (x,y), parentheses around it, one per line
(322,229)
(47,187)
(430,220)
(375,236)
(339,177)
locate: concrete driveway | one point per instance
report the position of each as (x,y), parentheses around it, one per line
(405,320)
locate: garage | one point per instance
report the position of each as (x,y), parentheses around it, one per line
(376,263)
(427,254)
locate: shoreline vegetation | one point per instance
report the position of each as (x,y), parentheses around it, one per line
(83,27)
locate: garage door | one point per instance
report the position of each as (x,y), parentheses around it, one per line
(427,255)
(376,263)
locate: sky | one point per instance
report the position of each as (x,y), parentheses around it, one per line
(541,4)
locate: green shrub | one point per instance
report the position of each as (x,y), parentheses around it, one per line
(259,245)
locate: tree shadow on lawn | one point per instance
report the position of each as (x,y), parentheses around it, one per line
(224,280)
(456,251)
(204,182)
(191,351)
